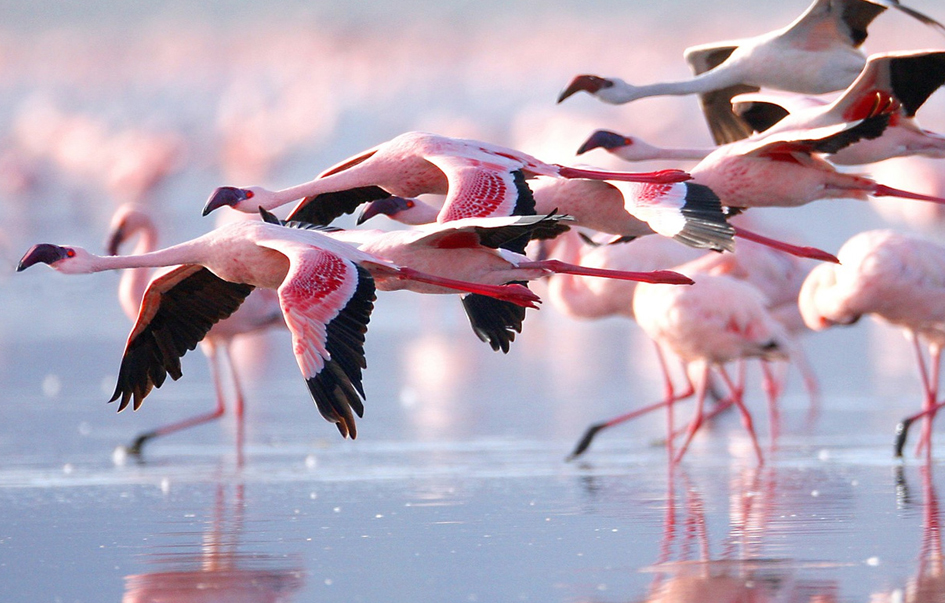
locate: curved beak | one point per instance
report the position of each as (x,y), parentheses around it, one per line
(389,206)
(604,139)
(115,239)
(229,196)
(586,83)
(42,253)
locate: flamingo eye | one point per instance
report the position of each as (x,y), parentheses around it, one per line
(250,194)
(70,253)
(410,204)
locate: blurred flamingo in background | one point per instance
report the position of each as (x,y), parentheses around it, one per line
(817,53)
(897,278)
(260,310)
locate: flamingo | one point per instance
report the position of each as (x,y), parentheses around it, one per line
(817,53)
(718,320)
(260,310)
(472,250)
(910,77)
(688,212)
(897,278)
(325,288)
(784,169)
(479,180)
(777,276)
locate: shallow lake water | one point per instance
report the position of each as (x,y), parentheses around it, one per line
(457,487)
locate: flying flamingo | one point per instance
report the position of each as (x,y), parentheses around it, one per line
(479,180)
(897,278)
(258,311)
(716,321)
(817,53)
(690,213)
(784,169)
(909,77)
(325,287)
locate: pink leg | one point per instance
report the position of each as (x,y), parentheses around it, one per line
(658,177)
(881,190)
(746,416)
(811,383)
(212,357)
(667,277)
(517,294)
(697,420)
(799,251)
(929,377)
(772,388)
(596,428)
(240,406)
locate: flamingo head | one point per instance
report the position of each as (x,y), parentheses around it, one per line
(129,220)
(242,199)
(821,302)
(404,210)
(69,260)
(605,139)
(592,84)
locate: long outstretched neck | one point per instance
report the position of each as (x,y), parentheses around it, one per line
(693,154)
(713,79)
(190,252)
(339,181)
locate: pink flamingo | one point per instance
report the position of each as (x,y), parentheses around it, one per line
(897,278)
(479,180)
(778,277)
(909,77)
(325,287)
(690,213)
(817,53)
(718,320)
(784,169)
(260,310)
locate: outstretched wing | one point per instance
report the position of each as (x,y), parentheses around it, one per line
(323,209)
(481,189)
(724,124)
(327,302)
(177,310)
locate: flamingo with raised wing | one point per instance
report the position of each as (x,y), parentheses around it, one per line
(817,53)
(325,287)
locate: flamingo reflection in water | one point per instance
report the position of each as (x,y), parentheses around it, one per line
(219,571)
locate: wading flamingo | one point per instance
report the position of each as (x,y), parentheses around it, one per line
(894,277)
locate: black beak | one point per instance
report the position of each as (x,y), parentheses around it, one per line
(43,252)
(225,196)
(585,83)
(389,206)
(115,240)
(605,140)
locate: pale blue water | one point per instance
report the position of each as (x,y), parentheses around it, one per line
(456,488)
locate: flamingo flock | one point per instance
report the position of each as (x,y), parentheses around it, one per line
(669,249)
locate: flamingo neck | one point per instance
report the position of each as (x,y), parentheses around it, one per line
(134,281)
(339,181)
(190,252)
(710,80)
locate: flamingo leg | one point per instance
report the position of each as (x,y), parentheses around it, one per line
(772,387)
(239,406)
(698,418)
(670,397)
(515,293)
(935,357)
(657,177)
(811,383)
(656,276)
(798,250)
(746,416)
(881,190)
(212,357)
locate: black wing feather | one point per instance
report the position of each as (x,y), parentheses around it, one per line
(337,388)
(323,209)
(185,314)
